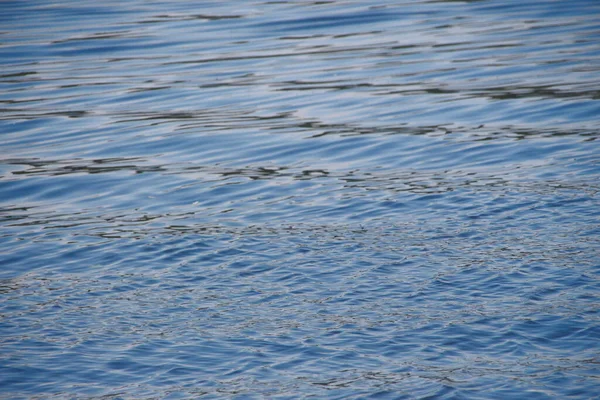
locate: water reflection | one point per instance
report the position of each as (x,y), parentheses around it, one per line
(319,198)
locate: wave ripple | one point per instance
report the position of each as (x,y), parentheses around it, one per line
(331,199)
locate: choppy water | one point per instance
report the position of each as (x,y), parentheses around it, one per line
(334,199)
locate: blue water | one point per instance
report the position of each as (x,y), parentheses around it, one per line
(300,199)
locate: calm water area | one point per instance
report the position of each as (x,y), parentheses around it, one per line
(300,199)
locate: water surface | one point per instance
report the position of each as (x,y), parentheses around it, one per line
(333,199)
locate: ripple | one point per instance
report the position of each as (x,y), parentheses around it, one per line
(299,198)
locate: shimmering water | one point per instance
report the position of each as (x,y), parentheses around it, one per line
(289,199)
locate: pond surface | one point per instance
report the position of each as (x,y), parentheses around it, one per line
(300,199)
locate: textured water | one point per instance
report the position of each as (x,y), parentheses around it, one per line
(295,199)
